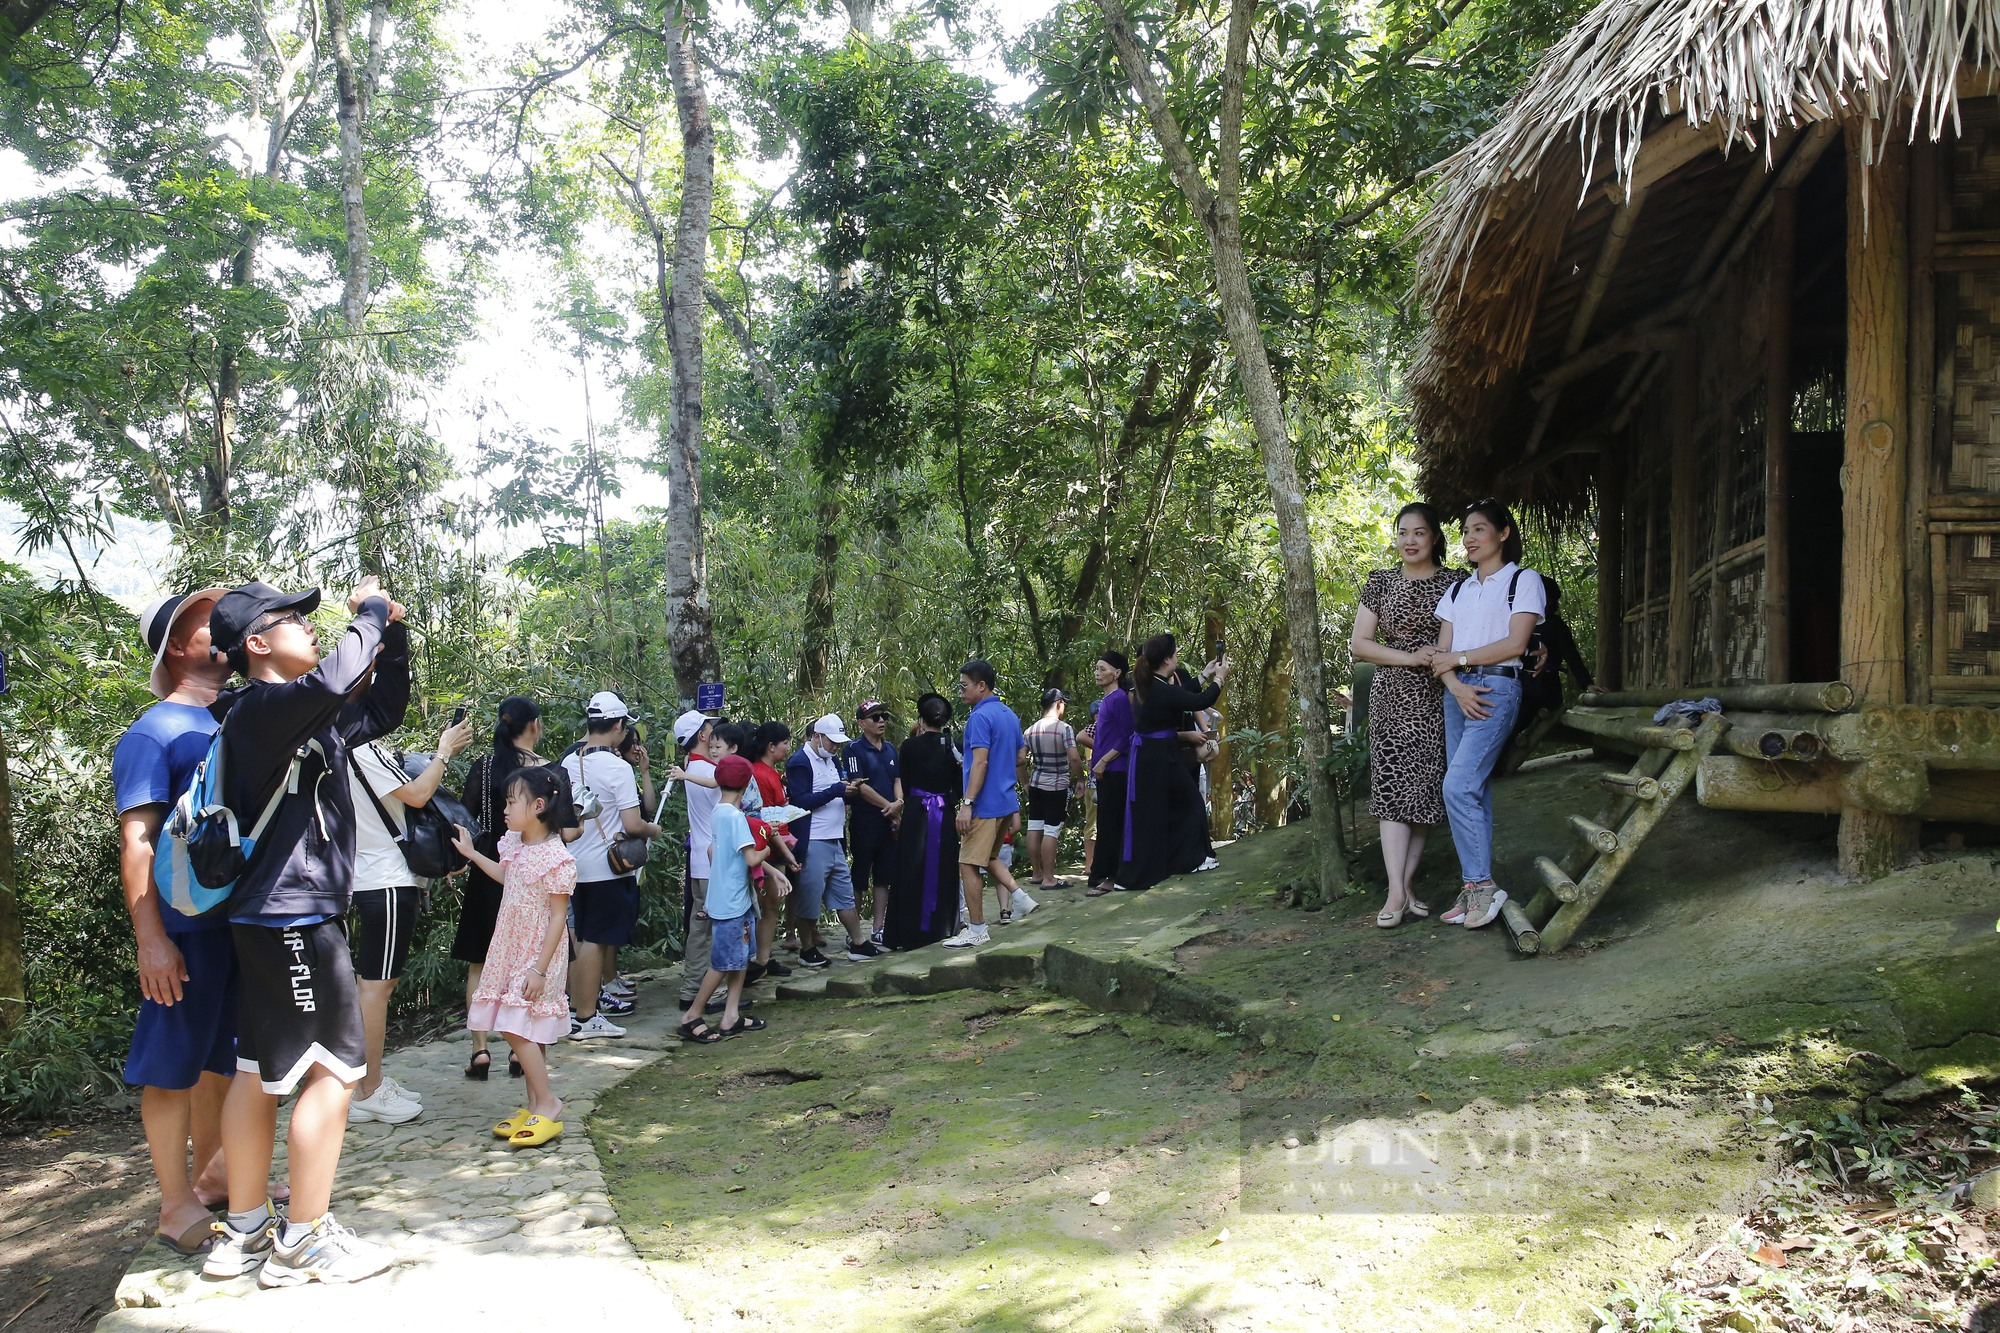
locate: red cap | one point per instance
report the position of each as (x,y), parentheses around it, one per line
(733,772)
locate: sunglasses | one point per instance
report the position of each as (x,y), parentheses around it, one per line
(289,618)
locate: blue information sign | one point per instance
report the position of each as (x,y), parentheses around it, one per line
(708,696)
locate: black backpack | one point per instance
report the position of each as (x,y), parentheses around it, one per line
(426,839)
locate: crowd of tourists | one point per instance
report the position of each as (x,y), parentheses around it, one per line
(271,849)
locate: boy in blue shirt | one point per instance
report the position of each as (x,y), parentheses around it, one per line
(732,907)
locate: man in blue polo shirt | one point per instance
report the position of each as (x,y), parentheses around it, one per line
(184,1047)
(994,750)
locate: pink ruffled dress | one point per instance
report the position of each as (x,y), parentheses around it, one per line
(533,873)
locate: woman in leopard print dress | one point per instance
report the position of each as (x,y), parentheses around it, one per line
(1406,702)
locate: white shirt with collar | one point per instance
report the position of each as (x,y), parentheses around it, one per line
(1477,610)
(830,820)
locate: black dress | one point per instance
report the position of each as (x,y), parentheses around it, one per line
(1168,831)
(486,799)
(923,902)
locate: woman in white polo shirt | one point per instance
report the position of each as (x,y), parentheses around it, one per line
(1486,620)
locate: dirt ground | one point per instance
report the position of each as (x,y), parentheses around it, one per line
(76,1202)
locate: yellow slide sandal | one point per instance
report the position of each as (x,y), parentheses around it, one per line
(534,1132)
(505,1129)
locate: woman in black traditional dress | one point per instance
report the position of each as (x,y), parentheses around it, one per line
(517,729)
(1405,701)
(923,902)
(1166,827)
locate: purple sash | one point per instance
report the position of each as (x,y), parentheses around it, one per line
(933,831)
(1132,779)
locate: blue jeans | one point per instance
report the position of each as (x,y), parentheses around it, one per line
(1471,749)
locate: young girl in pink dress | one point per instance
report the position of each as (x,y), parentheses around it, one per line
(521,992)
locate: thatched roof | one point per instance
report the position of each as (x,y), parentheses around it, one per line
(1523,210)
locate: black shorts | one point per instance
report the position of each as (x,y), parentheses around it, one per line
(1047,810)
(873,846)
(296,1004)
(385,921)
(607,911)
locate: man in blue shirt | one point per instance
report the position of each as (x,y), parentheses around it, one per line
(994,751)
(184,1047)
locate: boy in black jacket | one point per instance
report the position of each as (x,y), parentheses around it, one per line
(299,1023)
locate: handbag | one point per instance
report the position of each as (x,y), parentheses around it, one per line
(625,853)
(428,830)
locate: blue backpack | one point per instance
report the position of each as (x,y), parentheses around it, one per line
(201,852)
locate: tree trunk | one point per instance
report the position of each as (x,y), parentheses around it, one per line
(760,373)
(1221,787)
(1274,789)
(1219,209)
(1874,476)
(690,635)
(816,636)
(13,950)
(350,110)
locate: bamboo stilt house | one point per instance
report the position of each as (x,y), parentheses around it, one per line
(1726,274)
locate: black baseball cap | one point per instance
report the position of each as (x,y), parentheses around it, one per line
(241,608)
(1052,697)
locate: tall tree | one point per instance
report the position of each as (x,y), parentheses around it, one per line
(689,627)
(1218,205)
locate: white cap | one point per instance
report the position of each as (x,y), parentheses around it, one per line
(157,623)
(688,725)
(830,727)
(605,706)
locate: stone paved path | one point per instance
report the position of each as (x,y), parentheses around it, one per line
(485,1236)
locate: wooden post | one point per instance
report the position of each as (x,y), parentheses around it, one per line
(13,945)
(1875,475)
(1611,568)
(1680,606)
(1926,168)
(1778,441)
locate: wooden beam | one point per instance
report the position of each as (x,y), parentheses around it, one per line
(1681,518)
(1875,472)
(1522,931)
(1778,439)
(1616,234)
(1827,697)
(1725,782)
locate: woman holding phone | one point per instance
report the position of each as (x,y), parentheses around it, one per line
(1166,830)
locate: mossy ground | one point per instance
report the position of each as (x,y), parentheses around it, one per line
(935,1169)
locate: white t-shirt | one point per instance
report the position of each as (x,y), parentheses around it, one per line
(617,791)
(701,818)
(378,861)
(1477,611)
(830,820)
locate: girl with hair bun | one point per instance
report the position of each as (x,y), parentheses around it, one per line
(1166,824)
(923,902)
(1396,627)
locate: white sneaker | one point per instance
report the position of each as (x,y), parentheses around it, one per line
(1484,905)
(402,1091)
(327,1253)
(384,1105)
(1023,904)
(620,987)
(1210,864)
(235,1253)
(967,938)
(597,1025)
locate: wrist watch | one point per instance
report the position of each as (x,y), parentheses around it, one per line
(1463,661)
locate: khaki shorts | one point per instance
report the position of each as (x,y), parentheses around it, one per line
(1089,810)
(981,843)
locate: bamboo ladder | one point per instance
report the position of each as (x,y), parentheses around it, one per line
(1638,800)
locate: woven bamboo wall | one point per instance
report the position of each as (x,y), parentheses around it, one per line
(1971,597)
(1973,462)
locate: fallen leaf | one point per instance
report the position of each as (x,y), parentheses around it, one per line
(1769,1255)
(1099,1199)
(1336,1018)
(851,1260)
(1220,1236)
